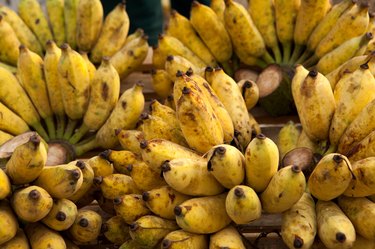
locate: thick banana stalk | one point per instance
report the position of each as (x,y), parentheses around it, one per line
(86,227)
(116,230)
(261,13)
(89,23)
(9,43)
(361,184)
(70,16)
(181,28)
(342,53)
(130,207)
(32,14)
(113,34)
(315,102)
(5,185)
(11,122)
(144,177)
(161,82)
(287,139)
(61,216)
(298,225)
(130,56)
(227,237)
(363,149)
(55,11)
(42,237)
(212,31)
(352,93)
(23,32)
(180,239)
(330,177)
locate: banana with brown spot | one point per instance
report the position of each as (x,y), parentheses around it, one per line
(116,185)
(180,239)
(62,215)
(130,207)
(42,237)
(144,177)
(86,226)
(228,237)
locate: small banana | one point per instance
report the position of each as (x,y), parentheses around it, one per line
(121,159)
(130,139)
(9,222)
(116,185)
(32,14)
(144,177)
(9,43)
(11,122)
(116,230)
(113,34)
(159,54)
(61,216)
(32,203)
(130,244)
(243,204)
(42,237)
(10,68)
(178,63)
(5,185)
(284,190)
(287,138)
(4,137)
(250,92)
(305,141)
(19,241)
(227,237)
(27,161)
(218,6)
(55,12)
(363,149)
(86,226)
(161,82)
(87,180)
(361,184)
(100,165)
(90,66)
(181,239)
(130,207)
(164,112)
(70,17)
(89,23)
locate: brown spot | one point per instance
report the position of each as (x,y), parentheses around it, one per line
(172,197)
(131,53)
(188,208)
(123,104)
(281,195)
(234,20)
(37,21)
(105,90)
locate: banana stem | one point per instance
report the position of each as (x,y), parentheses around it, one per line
(311,61)
(268,58)
(296,53)
(80,133)
(304,56)
(70,129)
(260,63)
(60,126)
(41,131)
(277,53)
(287,47)
(83,148)
(50,127)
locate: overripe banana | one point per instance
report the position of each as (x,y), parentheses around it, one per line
(130,140)
(361,184)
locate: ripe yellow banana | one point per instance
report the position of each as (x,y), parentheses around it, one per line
(87,226)
(27,161)
(87,180)
(90,66)
(180,239)
(181,28)
(116,230)
(298,225)
(227,164)
(243,204)
(89,23)
(190,177)
(203,215)
(61,181)
(113,34)
(19,241)
(161,82)
(144,177)
(130,207)
(55,12)
(116,185)
(10,68)
(211,30)
(23,32)
(169,101)
(162,201)
(120,159)
(32,14)
(11,122)
(361,184)
(70,17)
(62,215)
(100,165)
(42,237)
(130,139)
(164,112)
(130,244)
(250,92)
(5,137)
(32,203)
(261,162)
(9,222)
(5,185)
(363,149)
(177,63)
(9,43)
(330,177)
(287,139)
(227,237)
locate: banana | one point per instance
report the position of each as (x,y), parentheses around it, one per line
(212,31)
(250,92)
(181,239)
(230,95)
(360,211)
(32,14)
(32,203)
(105,204)
(5,185)
(9,43)
(298,224)
(27,161)
(70,17)
(130,244)
(116,230)
(243,204)
(164,112)
(23,32)
(74,82)
(342,53)
(315,102)
(162,201)
(130,57)
(189,176)
(42,237)
(358,129)
(144,177)
(61,181)
(130,139)
(104,93)
(156,151)
(9,222)
(30,69)
(284,190)
(352,93)
(245,36)
(363,149)
(169,101)
(120,159)
(4,137)
(218,6)
(178,63)
(161,82)
(334,227)
(286,12)
(89,23)
(261,162)
(330,177)
(361,184)
(116,185)
(113,34)
(19,241)
(10,68)
(100,165)
(287,138)
(202,215)
(11,122)
(90,66)
(61,216)
(181,28)
(255,127)
(305,141)
(130,207)
(227,164)
(55,12)
(86,226)
(149,230)
(227,237)
(125,115)
(262,14)
(352,23)
(159,54)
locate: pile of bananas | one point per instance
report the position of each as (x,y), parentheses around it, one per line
(62,94)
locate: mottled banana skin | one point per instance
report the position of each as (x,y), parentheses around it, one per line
(288,138)
(55,11)
(181,239)
(70,16)
(145,177)
(62,215)
(227,237)
(116,185)
(87,226)
(19,241)
(130,207)
(11,122)
(116,230)
(361,184)
(162,82)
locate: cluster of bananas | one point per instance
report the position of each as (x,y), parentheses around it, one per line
(62,95)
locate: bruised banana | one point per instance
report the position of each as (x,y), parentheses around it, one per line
(121,159)
(287,139)
(86,226)
(5,185)
(9,44)
(130,207)
(181,239)
(62,215)
(19,241)
(11,122)
(42,237)
(116,230)
(361,184)
(144,177)
(161,82)
(116,185)
(130,139)
(9,222)
(250,92)
(55,12)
